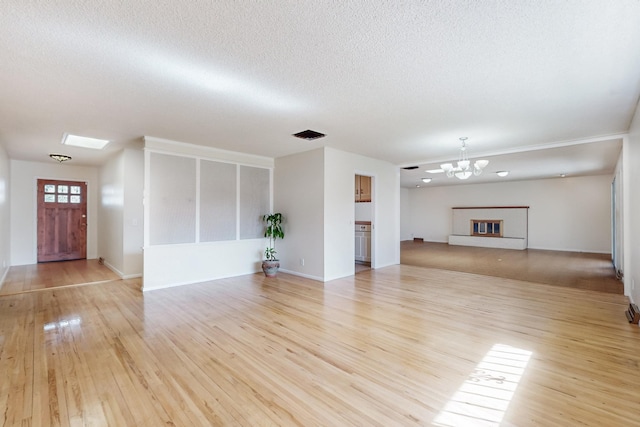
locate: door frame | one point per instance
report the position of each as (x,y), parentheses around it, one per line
(373,217)
(77,210)
(29,203)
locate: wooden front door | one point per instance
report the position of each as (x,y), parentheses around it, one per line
(62,220)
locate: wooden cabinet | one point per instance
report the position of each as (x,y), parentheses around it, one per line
(363,188)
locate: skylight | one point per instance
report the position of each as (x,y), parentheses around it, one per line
(83,141)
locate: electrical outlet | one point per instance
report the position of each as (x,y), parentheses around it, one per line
(302,262)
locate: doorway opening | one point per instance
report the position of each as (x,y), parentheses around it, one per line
(364,227)
(62,220)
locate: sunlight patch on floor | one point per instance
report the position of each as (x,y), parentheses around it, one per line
(484,397)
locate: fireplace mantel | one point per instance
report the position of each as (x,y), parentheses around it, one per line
(513,226)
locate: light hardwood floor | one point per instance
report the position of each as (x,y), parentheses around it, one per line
(37,277)
(396,346)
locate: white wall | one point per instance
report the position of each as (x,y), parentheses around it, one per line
(363,211)
(180,264)
(111,206)
(568,214)
(5,249)
(339,248)
(183,264)
(405,215)
(631,174)
(618,214)
(314,190)
(120,235)
(133,214)
(299,195)
(23,195)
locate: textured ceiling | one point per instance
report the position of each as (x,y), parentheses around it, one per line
(394,80)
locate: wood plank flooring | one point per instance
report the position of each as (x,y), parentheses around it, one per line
(36,277)
(579,270)
(397,346)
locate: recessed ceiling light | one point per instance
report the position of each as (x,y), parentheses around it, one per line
(426,180)
(435,171)
(417,186)
(562,175)
(502,173)
(83,141)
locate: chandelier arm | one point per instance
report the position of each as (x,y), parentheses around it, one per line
(464,168)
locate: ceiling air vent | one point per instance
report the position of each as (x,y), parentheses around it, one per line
(410,168)
(309,135)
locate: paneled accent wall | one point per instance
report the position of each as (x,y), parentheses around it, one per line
(203,213)
(195,200)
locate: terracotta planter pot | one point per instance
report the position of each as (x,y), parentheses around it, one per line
(270,268)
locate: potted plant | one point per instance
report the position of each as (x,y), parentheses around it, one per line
(273,230)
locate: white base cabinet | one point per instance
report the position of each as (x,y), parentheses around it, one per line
(363,246)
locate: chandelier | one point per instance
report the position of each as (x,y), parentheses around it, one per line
(463,168)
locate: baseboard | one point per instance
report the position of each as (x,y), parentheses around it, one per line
(112,268)
(425,240)
(170,285)
(121,274)
(582,251)
(306,276)
(389,264)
